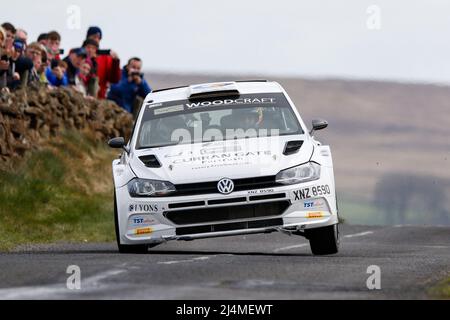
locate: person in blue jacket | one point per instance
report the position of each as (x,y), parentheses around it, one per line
(131,85)
(56,73)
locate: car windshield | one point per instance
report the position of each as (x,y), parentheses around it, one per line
(246,116)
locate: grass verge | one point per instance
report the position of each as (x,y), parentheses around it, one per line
(61,192)
(442,290)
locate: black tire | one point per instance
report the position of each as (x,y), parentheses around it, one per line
(324,240)
(126,248)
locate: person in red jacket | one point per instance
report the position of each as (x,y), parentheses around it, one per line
(108,64)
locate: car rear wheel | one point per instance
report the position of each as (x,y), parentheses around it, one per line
(324,240)
(126,248)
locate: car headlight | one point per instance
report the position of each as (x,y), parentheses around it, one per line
(150,188)
(306,172)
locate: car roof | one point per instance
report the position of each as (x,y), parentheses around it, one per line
(183,92)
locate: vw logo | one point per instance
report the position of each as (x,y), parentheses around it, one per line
(225,185)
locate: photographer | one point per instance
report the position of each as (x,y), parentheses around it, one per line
(74,59)
(131,86)
(107,63)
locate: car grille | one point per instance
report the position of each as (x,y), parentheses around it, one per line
(212,214)
(211,186)
(230,226)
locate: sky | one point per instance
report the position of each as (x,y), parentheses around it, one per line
(399,40)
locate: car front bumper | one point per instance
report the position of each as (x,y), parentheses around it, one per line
(159,219)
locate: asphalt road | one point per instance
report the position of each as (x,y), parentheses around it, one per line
(271,266)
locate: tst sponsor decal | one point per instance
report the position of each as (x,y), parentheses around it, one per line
(143,208)
(310,192)
(313,204)
(143,220)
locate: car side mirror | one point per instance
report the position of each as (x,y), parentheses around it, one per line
(118,143)
(318,124)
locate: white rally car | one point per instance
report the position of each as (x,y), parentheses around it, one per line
(223,159)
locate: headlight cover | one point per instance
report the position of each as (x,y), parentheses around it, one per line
(303,173)
(150,188)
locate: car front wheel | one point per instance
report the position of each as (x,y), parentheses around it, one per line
(324,240)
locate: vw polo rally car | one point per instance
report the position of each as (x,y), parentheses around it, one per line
(223,159)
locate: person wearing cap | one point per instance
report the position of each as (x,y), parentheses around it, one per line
(19,66)
(107,64)
(74,59)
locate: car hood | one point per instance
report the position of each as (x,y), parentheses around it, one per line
(211,161)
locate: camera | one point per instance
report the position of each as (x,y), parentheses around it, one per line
(103,52)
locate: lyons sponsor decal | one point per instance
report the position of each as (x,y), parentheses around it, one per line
(143,208)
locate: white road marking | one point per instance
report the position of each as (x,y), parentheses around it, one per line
(290,247)
(56,291)
(186,260)
(361,234)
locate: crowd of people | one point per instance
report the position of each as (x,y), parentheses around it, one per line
(94,72)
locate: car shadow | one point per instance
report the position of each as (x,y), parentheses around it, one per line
(153,252)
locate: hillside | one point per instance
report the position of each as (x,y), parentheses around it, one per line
(377,130)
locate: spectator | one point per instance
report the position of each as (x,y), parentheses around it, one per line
(83,76)
(45,63)
(35,52)
(43,39)
(56,73)
(20,65)
(22,35)
(131,86)
(74,60)
(53,43)
(91,47)
(10,34)
(107,63)
(4,63)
